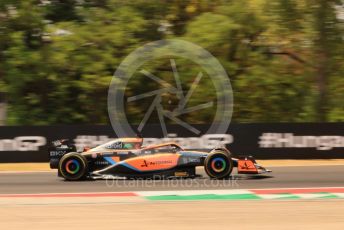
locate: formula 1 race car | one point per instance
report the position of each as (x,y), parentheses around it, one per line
(126,158)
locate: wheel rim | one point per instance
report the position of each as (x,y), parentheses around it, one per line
(218,164)
(72,166)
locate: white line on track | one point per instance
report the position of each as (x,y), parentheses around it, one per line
(24,172)
(178,192)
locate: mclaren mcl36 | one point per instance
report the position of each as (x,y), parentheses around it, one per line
(126,158)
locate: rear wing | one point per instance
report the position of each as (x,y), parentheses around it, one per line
(57,149)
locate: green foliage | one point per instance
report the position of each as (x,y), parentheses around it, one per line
(284,58)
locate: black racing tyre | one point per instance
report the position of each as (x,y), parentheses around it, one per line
(73,166)
(224,150)
(218,165)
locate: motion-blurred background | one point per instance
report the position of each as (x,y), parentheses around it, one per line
(285,58)
(285,61)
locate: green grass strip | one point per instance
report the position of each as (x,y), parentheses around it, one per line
(329,197)
(206,197)
(287,196)
(248,196)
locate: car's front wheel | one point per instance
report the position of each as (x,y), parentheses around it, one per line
(218,165)
(73,166)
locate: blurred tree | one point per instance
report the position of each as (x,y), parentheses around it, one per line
(61,73)
(328,41)
(311,33)
(262,82)
(4,41)
(285,58)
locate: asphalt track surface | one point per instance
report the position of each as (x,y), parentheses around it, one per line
(281,177)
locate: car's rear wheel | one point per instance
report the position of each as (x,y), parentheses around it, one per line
(73,166)
(218,165)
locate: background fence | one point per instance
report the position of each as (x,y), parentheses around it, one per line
(264,141)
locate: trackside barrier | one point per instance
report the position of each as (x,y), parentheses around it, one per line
(263,141)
